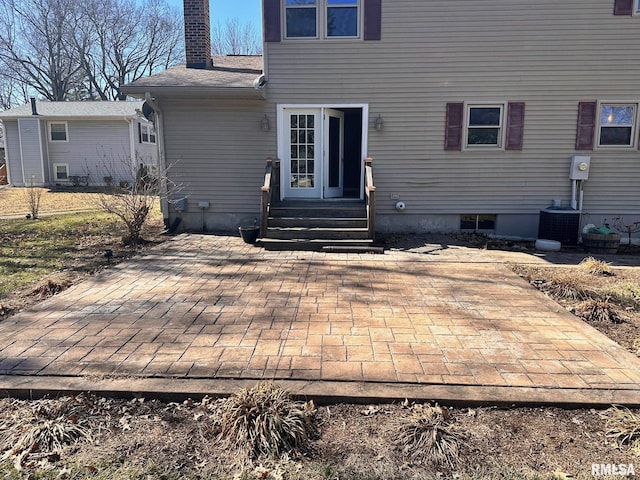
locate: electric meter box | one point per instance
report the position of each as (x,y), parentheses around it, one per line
(580,167)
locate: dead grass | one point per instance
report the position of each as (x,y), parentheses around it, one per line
(15,201)
(608,301)
(427,435)
(623,426)
(594,266)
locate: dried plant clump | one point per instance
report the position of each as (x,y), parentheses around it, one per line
(625,294)
(597,267)
(565,285)
(428,434)
(50,286)
(43,433)
(599,310)
(623,426)
(265,421)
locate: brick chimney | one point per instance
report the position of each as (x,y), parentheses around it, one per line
(197,36)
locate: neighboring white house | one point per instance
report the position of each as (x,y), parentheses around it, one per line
(81,143)
(471,110)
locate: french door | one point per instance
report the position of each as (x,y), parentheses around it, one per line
(312,146)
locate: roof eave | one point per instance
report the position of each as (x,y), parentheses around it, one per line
(138,91)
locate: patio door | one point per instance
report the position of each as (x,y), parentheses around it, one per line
(303,154)
(333,153)
(321,150)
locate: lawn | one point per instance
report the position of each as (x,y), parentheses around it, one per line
(14,201)
(41,257)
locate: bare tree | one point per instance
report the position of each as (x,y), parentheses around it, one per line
(70,50)
(120,41)
(35,48)
(12,92)
(235,38)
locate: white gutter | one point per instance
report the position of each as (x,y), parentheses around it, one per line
(162,164)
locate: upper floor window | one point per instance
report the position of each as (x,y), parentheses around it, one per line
(301,18)
(58,132)
(342,18)
(329,18)
(617,125)
(484,125)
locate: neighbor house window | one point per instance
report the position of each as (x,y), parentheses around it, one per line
(484,125)
(61,172)
(301,17)
(147,134)
(58,132)
(617,125)
(342,18)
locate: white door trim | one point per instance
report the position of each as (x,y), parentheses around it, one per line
(282,135)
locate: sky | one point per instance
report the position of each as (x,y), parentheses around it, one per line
(244,10)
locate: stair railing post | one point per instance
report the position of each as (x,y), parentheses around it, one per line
(371,198)
(265,198)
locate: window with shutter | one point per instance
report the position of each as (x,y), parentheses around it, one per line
(617,125)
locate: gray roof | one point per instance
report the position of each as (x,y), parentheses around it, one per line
(75,110)
(228,72)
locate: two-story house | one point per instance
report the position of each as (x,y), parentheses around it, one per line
(472,111)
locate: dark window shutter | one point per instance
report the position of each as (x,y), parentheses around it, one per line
(139,133)
(586,125)
(453,126)
(372,19)
(623,7)
(515,126)
(272,20)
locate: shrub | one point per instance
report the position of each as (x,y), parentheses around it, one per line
(598,310)
(428,434)
(264,420)
(43,433)
(623,426)
(594,266)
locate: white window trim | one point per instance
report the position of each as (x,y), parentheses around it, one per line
(322,7)
(502,126)
(55,171)
(634,127)
(145,128)
(66,129)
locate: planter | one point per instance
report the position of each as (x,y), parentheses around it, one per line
(249,234)
(601,243)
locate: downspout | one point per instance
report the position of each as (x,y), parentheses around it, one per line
(162,164)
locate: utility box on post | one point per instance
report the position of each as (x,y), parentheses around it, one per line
(580,167)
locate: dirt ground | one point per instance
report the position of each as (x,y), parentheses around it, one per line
(155,440)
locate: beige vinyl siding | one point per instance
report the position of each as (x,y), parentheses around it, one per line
(92,145)
(216,150)
(548,54)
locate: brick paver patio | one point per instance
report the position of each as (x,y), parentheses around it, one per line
(213,307)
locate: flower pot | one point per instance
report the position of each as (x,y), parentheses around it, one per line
(249,234)
(601,243)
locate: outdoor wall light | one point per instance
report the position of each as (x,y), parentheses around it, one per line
(266,126)
(379,123)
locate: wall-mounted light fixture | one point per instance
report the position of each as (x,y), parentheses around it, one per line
(379,123)
(266,126)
